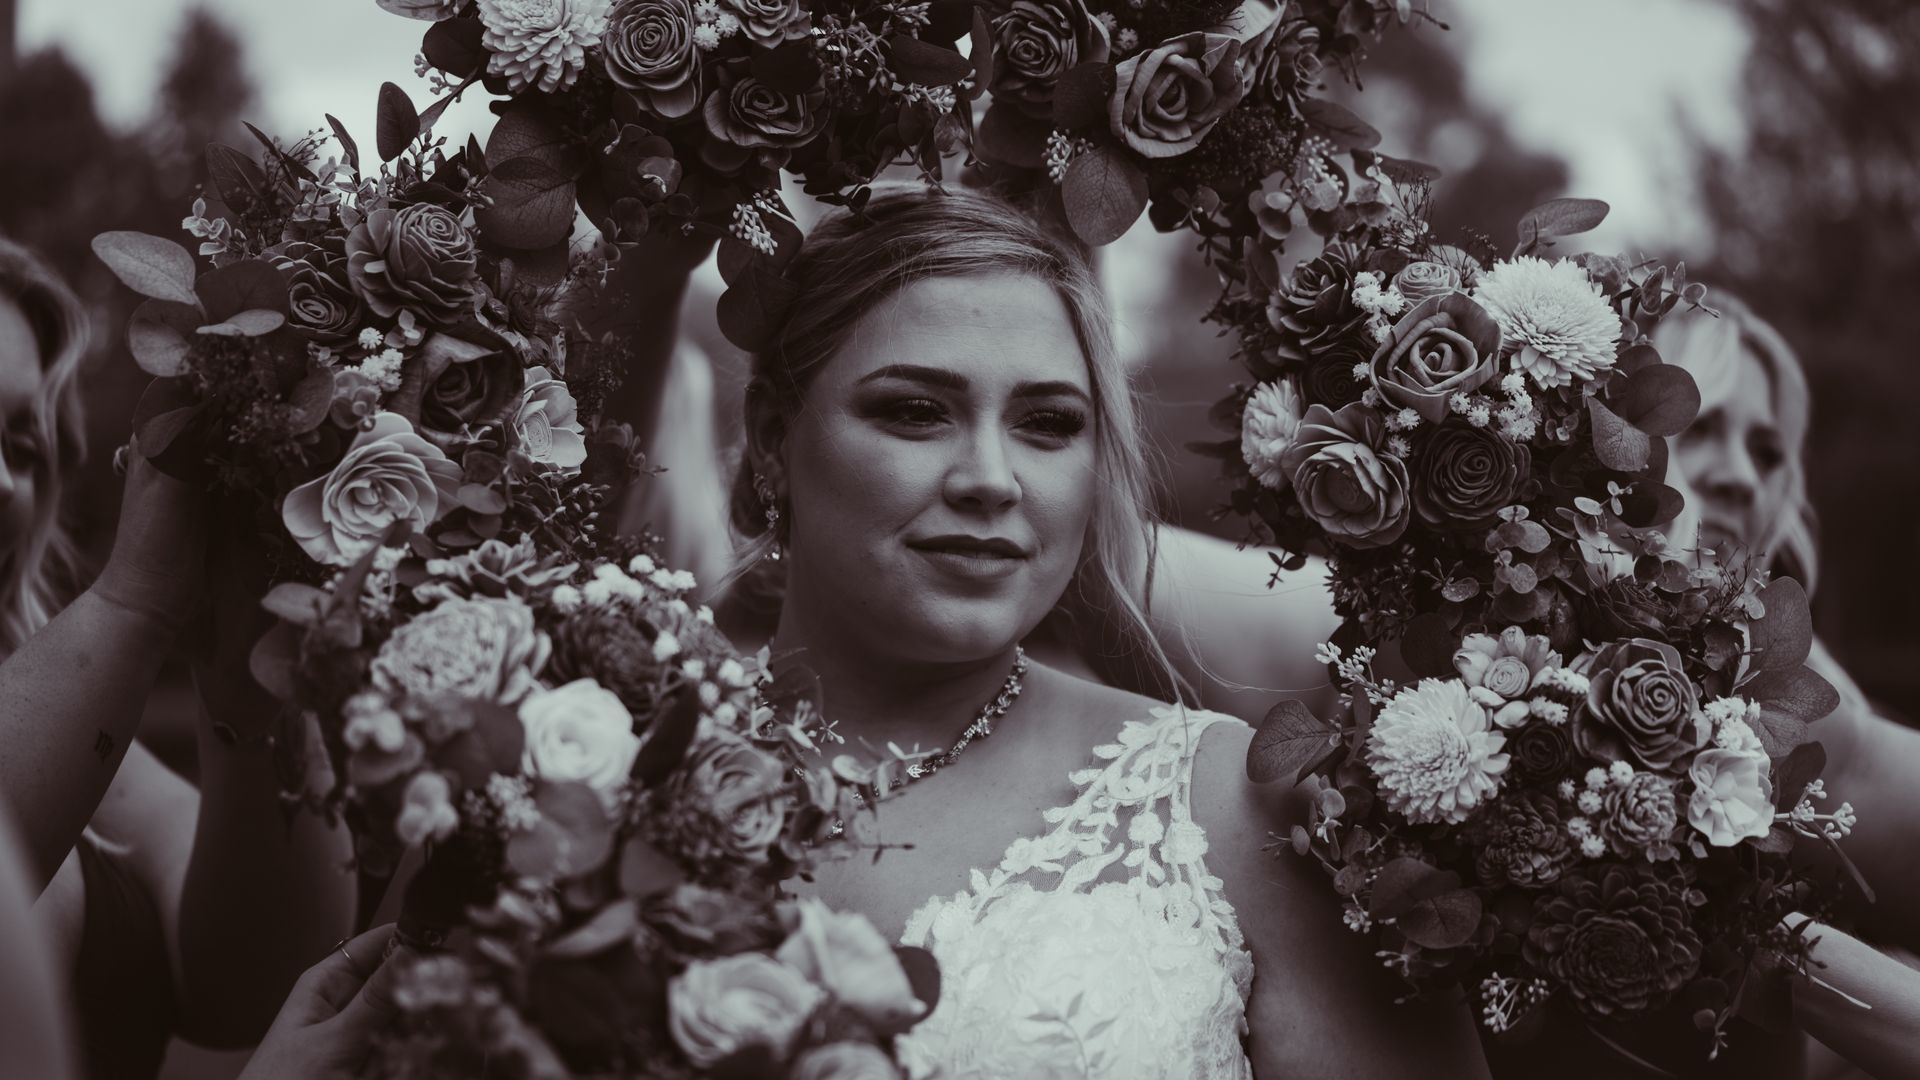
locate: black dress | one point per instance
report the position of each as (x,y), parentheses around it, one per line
(123,980)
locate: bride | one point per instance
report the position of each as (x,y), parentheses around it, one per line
(940,447)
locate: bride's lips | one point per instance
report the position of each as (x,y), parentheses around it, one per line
(976,558)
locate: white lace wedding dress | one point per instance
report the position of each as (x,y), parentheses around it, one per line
(1047,970)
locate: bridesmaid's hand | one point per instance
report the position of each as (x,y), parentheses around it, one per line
(156,570)
(327,1025)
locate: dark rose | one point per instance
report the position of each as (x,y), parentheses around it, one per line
(452,388)
(734,799)
(1463,476)
(1332,381)
(745,112)
(770,22)
(471,394)
(1618,938)
(1034,43)
(1640,706)
(1540,752)
(1623,607)
(325,309)
(1445,345)
(1316,311)
(1522,840)
(1344,482)
(1282,59)
(1640,816)
(418,257)
(1166,99)
(649,50)
(709,922)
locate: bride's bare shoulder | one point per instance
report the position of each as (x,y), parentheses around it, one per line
(1100,708)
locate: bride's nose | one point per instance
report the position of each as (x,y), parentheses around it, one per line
(980,477)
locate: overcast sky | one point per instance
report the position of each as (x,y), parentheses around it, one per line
(1601,84)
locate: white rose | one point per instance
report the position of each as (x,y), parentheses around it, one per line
(548,422)
(580,732)
(847,956)
(1732,797)
(717,1007)
(389,474)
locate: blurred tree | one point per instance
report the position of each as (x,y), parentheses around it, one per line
(1816,221)
(66,177)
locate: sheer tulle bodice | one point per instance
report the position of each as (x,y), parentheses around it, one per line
(1053,965)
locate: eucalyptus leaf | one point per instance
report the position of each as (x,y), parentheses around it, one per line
(1558,217)
(236,177)
(1619,445)
(612,925)
(1290,739)
(157,336)
(347,146)
(1659,399)
(1783,637)
(397,122)
(925,63)
(257,322)
(1789,700)
(1442,922)
(1105,193)
(1794,772)
(148,265)
(1080,96)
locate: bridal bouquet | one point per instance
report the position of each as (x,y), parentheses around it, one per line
(609,799)
(658,115)
(608,794)
(1590,790)
(1201,113)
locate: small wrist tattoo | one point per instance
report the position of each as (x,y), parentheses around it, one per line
(103,746)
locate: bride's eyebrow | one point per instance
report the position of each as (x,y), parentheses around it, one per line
(945,378)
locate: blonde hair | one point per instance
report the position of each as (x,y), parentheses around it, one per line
(906,234)
(1709,349)
(38,570)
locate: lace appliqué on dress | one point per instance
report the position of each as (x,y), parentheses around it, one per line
(1049,971)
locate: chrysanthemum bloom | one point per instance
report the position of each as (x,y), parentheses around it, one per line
(541,42)
(1436,753)
(1503,670)
(1267,429)
(1557,315)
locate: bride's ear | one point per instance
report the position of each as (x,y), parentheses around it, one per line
(766,433)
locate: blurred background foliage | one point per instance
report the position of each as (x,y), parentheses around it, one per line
(1814,219)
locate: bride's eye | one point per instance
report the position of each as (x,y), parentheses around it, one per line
(910,414)
(1056,425)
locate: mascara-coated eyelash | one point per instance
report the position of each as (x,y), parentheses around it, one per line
(1059,423)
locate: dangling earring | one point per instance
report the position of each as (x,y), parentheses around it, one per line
(770,506)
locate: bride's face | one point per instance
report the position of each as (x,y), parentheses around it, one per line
(939,472)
